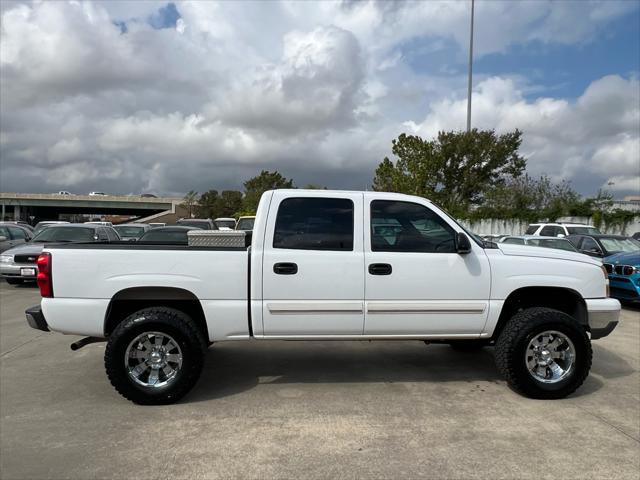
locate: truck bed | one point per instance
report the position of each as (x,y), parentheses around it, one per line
(88,276)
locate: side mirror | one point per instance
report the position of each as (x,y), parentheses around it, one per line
(3,238)
(463,244)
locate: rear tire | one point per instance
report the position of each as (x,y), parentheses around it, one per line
(13,281)
(543,353)
(155,356)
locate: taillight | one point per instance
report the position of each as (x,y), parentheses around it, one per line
(44,275)
(606,278)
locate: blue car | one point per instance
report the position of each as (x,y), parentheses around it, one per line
(624,275)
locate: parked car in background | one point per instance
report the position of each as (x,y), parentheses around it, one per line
(202,223)
(492,237)
(97,194)
(104,224)
(148,195)
(12,235)
(636,236)
(225,223)
(48,223)
(63,192)
(604,245)
(132,231)
(174,235)
(246,223)
(20,223)
(18,264)
(624,275)
(157,224)
(546,242)
(561,229)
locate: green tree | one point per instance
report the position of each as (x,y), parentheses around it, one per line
(532,199)
(207,204)
(256,186)
(456,169)
(189,201)
(229,203)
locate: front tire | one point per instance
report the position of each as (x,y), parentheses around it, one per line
(543,353)
(155,356)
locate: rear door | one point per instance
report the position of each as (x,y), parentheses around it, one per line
(415,281)
(313,265)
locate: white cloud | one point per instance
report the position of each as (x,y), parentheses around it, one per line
(599,134)
(315,89)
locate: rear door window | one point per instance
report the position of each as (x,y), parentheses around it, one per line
(314,224)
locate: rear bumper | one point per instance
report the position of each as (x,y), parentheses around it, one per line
(15,271)
(36,319)
(603,315)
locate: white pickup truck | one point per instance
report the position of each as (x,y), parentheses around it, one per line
(329,265)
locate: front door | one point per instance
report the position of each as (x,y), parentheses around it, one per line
(313,264)
(415,281)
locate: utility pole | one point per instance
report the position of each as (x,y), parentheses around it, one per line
(470,71)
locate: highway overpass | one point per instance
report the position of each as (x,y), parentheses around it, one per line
(33,207)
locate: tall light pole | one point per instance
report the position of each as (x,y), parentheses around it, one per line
(470,71)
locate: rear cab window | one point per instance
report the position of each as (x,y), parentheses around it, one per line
(532,229)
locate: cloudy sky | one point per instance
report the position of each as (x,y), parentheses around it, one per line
(132,97)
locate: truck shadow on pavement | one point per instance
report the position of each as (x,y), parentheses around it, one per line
(235,367)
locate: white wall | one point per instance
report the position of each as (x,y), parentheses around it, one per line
(518,227)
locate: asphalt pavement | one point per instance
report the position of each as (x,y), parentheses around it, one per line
(312,410)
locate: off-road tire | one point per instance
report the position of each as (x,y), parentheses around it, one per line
(173,322)
(511,348)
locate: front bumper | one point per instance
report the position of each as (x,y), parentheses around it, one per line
(625,287)
(36,319)
(603,315)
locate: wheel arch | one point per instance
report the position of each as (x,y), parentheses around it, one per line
(130,300)
(563,299)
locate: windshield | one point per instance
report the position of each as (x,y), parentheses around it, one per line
(165,236)
(126,231)
(617,245)
(583,231)
(558,243)
(245,224)
(195,223)
(225,224)
(64,234)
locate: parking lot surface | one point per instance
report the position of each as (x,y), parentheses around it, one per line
(312,410)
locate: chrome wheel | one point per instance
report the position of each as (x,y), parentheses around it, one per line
(153,359)
(550,357)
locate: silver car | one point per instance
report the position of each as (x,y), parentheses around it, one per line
(18,264)
(538,241)
(12,234)
(130,232)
